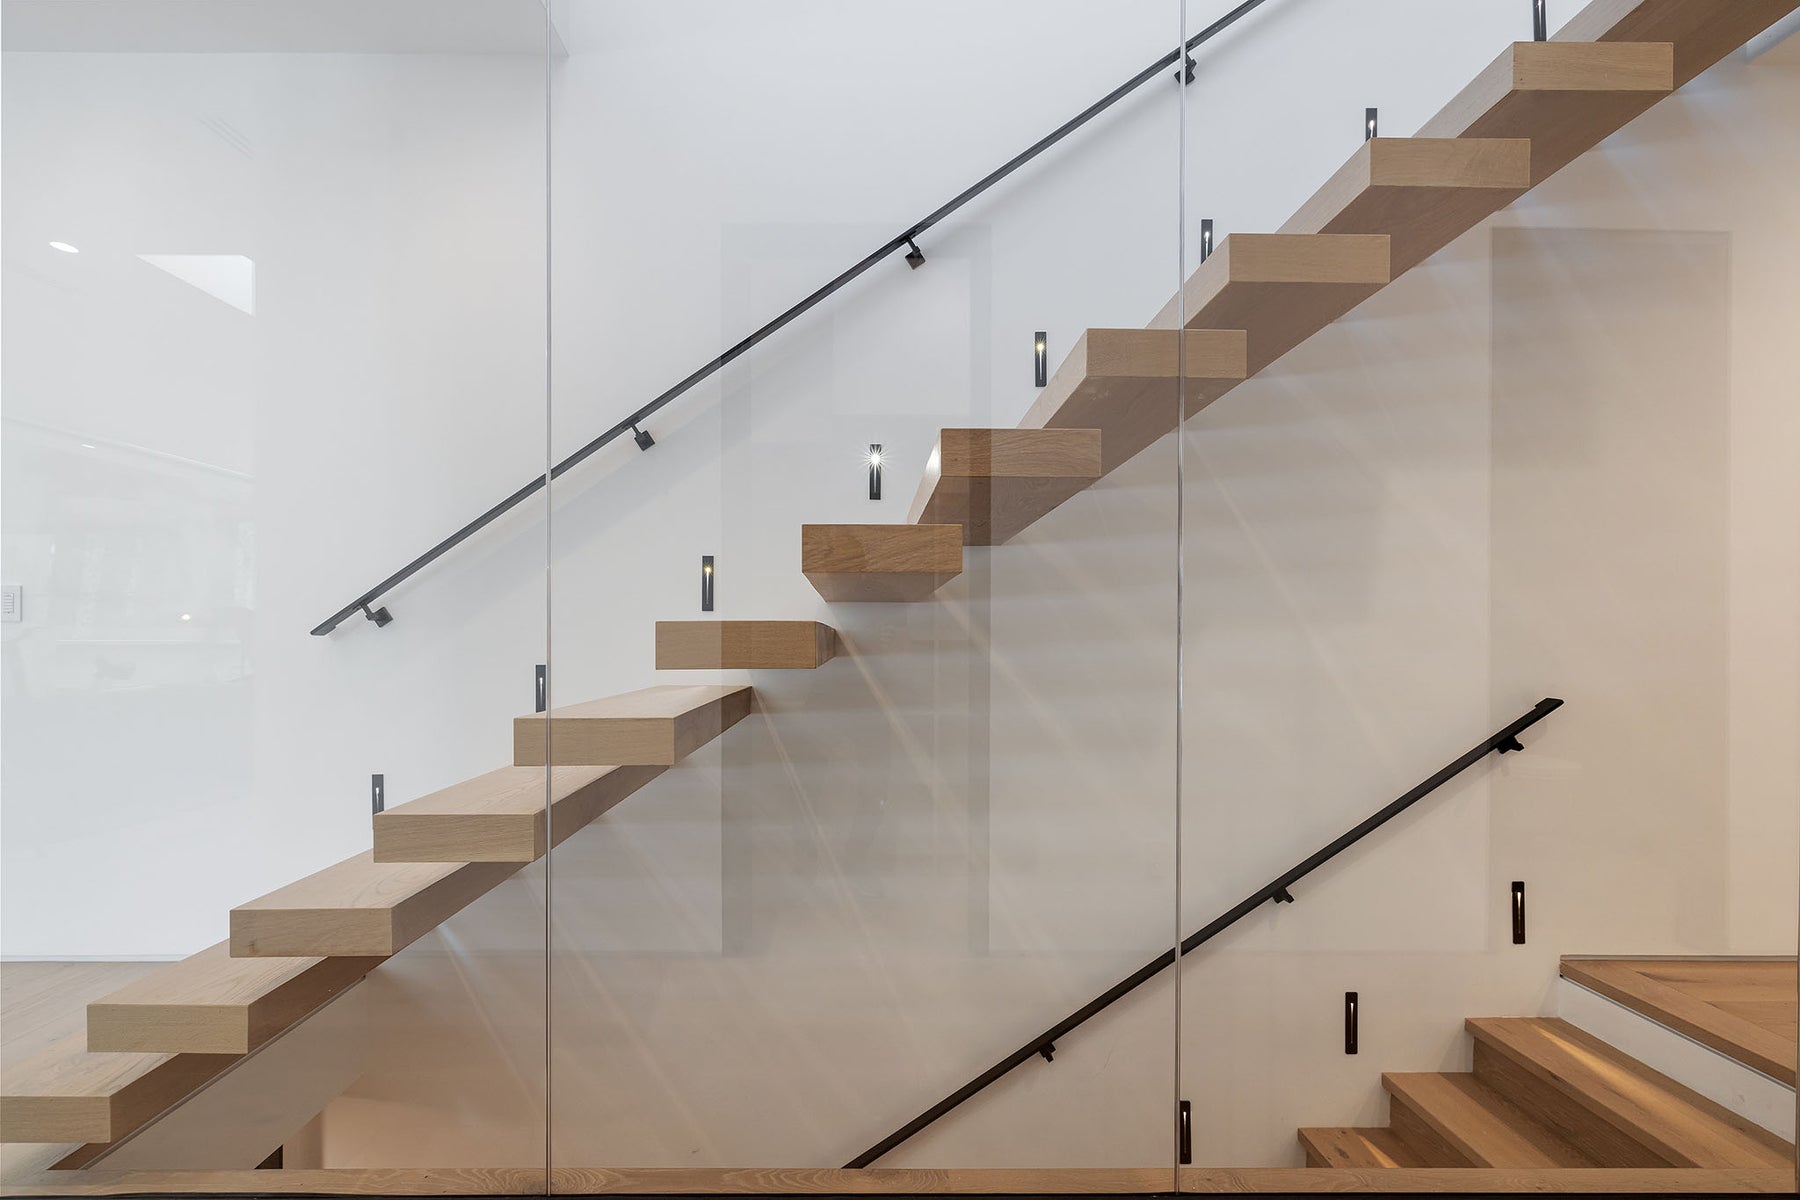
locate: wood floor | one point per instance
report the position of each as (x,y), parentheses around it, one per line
(1747,1009)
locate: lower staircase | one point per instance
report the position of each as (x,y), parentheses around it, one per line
(1546,1095)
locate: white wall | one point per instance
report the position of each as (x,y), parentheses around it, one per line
(907,863)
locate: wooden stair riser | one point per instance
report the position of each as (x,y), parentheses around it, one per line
(1480,1124)
(1377,1149)
(1702,31)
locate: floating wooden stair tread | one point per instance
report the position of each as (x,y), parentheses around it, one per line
(1702,31)
(1672,1122)
(880,562)
(996,482)
(1344,1147)
(359,908)
(1744,1009)
(1280,288)
(1565,96)
(1124,383)
(499,816)
(744,645)
(66,1093)
(654,727)
(1423,193)
(212,1003)
(1480,1124)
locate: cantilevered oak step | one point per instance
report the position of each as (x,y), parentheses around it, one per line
(996,482)
(1345,1147)
(499,817)
(1280,288)
(1423,193)
(67,1093)
(1565,96)
(1128,383)
(654,727)
(1744,1009)
(212,1003)
(880,562)
(359,908)
(1478,1123)
(1609,1103)
(1702,31)
(744,645)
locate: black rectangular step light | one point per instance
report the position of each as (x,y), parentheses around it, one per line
(1518,912)
(1041,353)
(874,470)
(706,583)
(377,793)
(1350,1007)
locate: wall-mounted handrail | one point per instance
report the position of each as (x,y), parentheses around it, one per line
(907,238)
(1275,890)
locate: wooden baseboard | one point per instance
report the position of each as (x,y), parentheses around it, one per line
(665,1181)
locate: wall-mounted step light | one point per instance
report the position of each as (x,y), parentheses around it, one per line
(1205,239)
(874,470)
(1540,22)
(1368,124)
(542,687)
(706,583)
(1184,1124)
(1518,912)
(915,257)
(1040,351)
(1350,1007)
(377,793)
(642,438)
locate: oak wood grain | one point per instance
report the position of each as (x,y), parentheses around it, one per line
(1702,31)
(1480,1124)
(744,645)
(880,562)
(67,1093)
(1280,288)
(359,908)
(1744,1009)
(1344,1147)
(499,816)
(1423,193)
(1133,384)
(1566,97)
(996,482)
(212,1003)
(655,726)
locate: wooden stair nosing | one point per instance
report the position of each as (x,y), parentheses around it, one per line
(994,483)
(744,645)
(1128,384)
(1566,97)
(1733,1036)
(880,563)
(1672,1121)
(651,727)
(1480,1124)
(212,1003)
(359,908)
(1702,31)
(1280,288)
(499,816)
(1423,193)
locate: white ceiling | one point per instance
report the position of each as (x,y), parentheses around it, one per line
(276,26)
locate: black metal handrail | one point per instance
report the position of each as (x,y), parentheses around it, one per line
(1276,890)
(908,239)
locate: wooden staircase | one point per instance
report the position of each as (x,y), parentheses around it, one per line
(1542,1094)
(1546,1095)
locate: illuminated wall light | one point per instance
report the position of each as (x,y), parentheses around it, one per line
(1368,124)
(1205,239)
(64,247)
(1540,22)
(1041,349)
(706,583)
(875,461)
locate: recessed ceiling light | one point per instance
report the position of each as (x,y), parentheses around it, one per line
(187,616)
(64,247)
(87,445)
